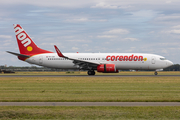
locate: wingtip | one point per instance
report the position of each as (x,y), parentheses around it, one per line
(8,52)
(56,48)
(58,51)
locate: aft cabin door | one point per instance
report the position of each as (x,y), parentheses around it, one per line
(40,60)
(153,60)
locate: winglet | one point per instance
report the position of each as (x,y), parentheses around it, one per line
(59,52)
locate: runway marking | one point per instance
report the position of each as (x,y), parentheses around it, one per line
(90,104)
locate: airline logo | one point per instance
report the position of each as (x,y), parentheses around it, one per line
(22,37)
(125,58)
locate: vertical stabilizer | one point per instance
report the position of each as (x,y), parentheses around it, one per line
(25,43)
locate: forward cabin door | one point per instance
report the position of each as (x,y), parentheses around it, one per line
(153,60)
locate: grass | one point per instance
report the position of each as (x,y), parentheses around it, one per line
(92,89)
(89,113)
(85,73)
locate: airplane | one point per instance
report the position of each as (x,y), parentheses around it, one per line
(100,62)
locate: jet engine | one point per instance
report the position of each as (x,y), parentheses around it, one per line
(107,68)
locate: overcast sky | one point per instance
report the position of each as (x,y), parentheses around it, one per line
(117,26)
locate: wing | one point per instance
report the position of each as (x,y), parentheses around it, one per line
(81,64)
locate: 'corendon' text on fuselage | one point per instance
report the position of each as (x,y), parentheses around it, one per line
(124,58)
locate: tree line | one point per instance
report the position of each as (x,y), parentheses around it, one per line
(175,67)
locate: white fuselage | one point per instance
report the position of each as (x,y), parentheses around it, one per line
(149,61)
(102,62)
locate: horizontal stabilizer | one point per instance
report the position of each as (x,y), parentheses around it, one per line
(17,54)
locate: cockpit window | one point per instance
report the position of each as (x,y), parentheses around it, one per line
(162,58)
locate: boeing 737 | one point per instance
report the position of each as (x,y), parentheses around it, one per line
(100,62)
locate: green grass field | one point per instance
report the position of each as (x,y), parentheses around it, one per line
(93,89)
(90,89)
(90,113)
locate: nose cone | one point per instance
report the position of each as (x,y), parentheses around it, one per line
(169,63)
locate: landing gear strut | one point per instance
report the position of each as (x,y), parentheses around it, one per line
(91,72)
(155,73)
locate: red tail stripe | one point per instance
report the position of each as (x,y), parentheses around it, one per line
(25,43)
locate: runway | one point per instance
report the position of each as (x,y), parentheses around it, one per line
(89,76)
(125,104)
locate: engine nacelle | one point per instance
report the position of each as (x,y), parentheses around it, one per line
(107,68)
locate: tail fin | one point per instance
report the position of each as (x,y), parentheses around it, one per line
(25,43)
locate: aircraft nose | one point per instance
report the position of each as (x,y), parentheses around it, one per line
(169,63)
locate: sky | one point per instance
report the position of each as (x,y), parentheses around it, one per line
(113,26)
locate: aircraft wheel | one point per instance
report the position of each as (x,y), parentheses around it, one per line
(155,73)
(91,72)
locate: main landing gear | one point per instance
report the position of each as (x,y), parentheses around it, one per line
(155,73)
(91,72)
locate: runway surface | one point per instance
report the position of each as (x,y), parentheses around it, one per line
(89,76)
(90,104)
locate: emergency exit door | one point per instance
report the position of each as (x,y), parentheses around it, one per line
(40,60)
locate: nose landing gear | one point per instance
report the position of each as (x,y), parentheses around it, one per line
(91,72)
(155,73)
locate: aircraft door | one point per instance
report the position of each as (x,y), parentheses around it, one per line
(40,60)
(153,60)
